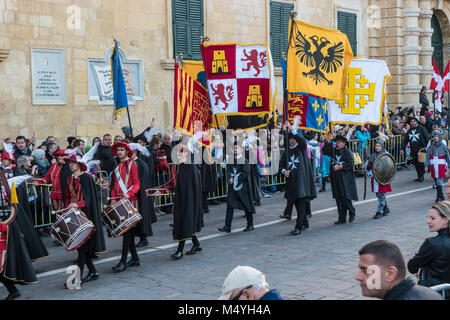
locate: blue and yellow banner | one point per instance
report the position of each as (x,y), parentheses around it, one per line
(118,83)
(311,109)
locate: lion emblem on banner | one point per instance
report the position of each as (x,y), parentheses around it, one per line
(254,59)
(222,94)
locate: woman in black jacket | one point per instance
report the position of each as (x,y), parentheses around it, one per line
(432,263)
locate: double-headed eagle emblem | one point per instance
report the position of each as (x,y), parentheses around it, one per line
(315,59)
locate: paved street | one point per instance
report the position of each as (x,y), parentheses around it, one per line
(319,264)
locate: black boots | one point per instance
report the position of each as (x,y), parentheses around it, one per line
(324,185)
(439,194)
(120,267)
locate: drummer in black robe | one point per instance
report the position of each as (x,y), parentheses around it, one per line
(343,184)
(188,209)
(145,204)
(15,262)
(239,190)
(31,238)
(81,193)
(296,167)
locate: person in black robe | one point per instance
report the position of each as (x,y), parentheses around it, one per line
(188,209)
(300,188)
(417,136)
(15,262)
(240,194)
(33,242)
(343,184)
(89,195)
(145,204)
(209,184)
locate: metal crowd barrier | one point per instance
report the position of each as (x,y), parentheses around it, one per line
(40,200)
(442,288)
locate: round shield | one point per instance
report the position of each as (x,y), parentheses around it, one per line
(384,168)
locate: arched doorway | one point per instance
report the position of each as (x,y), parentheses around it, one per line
(437,44)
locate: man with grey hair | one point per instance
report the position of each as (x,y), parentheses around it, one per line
(247,283)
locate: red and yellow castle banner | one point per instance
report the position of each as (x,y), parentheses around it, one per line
(240,78)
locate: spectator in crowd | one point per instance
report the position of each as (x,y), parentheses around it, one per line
(79,144)
(427,123)
(105,155)
(50,152)
(24,166)
(167,146)
(247,283)
(381,134)
(432,263)
(42,163)
(70,141)
(384,259)
(398,128)
(423,100)
(94,141)
(43,146)
(362,135)
(50,139)
(118,138)
(22,147)
(445,130)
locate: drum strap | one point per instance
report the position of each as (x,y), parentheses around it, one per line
(122,185)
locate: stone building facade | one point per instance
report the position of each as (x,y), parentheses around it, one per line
(398,31)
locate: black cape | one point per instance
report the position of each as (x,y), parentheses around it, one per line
(417,138)
(64,174)
(96,243)
(342,181)
(300,184)
(31,238)
(208,174)
(18,266)
(188,208)
(146,208)
(240,194)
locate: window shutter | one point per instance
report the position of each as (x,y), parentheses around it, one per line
(279,29)
(347,23)
(187,17)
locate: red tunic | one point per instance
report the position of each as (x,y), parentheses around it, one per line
(438,167)
(376,187)
(74,194)
(3,234)
(132,184)
(52,177)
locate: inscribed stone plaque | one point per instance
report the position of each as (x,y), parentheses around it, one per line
(100,84)
(48,76)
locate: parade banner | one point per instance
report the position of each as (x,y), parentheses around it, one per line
(240,78)
(118,83)
(317,60)
(311,109)
(190,104)
(364,95)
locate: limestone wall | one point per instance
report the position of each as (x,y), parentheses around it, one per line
(144,29)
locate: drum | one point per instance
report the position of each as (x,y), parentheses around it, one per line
(120,217)
(72,229)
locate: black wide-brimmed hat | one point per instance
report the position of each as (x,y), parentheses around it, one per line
(341,138)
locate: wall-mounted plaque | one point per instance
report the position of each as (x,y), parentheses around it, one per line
(48,76)
(99,78)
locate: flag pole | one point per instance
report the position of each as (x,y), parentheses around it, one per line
(128,109)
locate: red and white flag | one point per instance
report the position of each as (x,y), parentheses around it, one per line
(446,78)
(437,82)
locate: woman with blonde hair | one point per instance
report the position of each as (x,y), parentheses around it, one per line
(432,263)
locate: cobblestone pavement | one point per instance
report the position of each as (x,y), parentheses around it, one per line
(318,264)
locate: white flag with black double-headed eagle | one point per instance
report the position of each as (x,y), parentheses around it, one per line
(364,95)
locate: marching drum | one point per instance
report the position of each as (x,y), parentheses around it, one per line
(72,229)
(120,217)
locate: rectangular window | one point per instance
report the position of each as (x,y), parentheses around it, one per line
(279,29)
(347,23)
(187,20)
